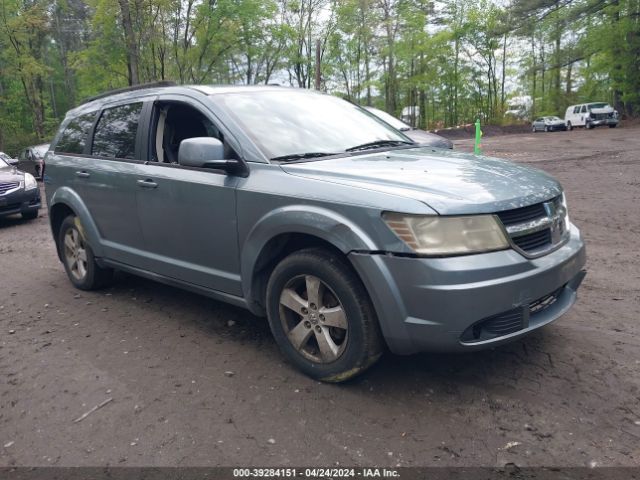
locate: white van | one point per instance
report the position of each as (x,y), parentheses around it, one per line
(591,115)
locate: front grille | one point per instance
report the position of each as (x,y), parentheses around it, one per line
(601,116)
(534,229)
(534,241)
(510,321)
(5,187)
(521,215)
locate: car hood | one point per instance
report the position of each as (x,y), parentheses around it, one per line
(426,138)
(448,182)
(10,174)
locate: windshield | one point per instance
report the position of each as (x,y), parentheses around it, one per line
(294,122)
(598,105)
(390,119)
(554,119)
(3,163)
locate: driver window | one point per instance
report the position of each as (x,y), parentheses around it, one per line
(584,109)
(176,122)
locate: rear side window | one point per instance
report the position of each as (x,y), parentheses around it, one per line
(115,135)
(75,134)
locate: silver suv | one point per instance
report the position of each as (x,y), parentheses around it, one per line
(308,210)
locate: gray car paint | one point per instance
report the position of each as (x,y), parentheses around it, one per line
(211,233)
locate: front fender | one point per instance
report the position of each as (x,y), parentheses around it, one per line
(298,219)
(68,197)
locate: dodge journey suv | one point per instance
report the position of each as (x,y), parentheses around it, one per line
(304,208)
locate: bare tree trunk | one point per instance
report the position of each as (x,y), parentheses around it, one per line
(504,71)
(130,40)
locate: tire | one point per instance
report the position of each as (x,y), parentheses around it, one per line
(588,125)
(352,342)
(78,259)
(534,130)
(30,215)
(613,126)
(569,126)
(546,129)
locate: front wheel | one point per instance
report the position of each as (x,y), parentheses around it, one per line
(321,316)
(614,125)
(77,257)
(588,126)
(533,129)
(546,129)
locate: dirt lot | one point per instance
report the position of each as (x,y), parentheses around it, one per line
(566,395)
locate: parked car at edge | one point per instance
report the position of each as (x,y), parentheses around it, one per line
(31,160)
(591,115)
(415,134)
(548,124)
(7,158)
(19,192)
(303,208)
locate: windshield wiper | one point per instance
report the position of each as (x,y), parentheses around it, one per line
(301,156)
(379,144)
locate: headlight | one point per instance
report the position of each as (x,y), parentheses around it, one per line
(30,182)
(435,235)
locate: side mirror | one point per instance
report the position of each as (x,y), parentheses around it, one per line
(13,161)
(195,152)
(208,152)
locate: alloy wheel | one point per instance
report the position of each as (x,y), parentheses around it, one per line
(75,253)
(313,319)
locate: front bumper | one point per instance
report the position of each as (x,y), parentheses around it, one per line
(19,202)
(431,304)
(604,121)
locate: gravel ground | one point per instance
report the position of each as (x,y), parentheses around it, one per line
(195,382)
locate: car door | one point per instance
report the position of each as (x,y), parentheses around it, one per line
(25,162)
(188,215)
(582,115)
(108,180)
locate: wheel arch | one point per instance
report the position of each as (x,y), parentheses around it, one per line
(283,232)
(65,202)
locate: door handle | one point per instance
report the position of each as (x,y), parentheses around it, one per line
(148,183)
(83,174)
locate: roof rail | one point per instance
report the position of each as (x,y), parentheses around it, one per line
(132,88)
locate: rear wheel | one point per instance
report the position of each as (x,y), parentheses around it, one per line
(569,126)
(321,316)
(613,125)
(77,257)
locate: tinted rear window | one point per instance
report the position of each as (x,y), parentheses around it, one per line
(75,135)
(115,135)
